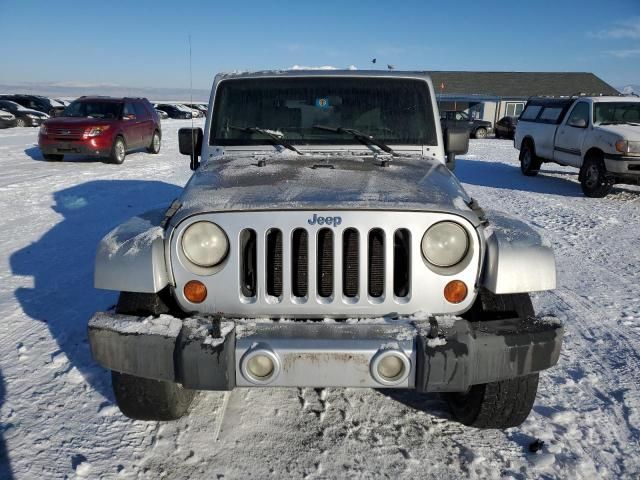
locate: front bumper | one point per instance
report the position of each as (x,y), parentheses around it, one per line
(90,147)
(620,165)
(209,353)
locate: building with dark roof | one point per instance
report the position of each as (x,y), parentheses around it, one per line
(493,95)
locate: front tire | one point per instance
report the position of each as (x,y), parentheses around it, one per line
(53,157)
(501,404)
(146,399)
(594,180)
(529,163)
(20,122)
(480,133)
(154,147)
(498,405)
(118,151)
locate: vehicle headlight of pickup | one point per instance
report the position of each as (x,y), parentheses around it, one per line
(625,146)
(205,244)
(445,244)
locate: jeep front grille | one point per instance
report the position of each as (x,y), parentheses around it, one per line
(338,263)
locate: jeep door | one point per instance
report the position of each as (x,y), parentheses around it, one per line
(571,135)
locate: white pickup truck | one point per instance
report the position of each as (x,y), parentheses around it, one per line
(598,135)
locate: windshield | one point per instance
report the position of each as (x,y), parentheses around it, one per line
(93,110)
(393,110)
(616,112)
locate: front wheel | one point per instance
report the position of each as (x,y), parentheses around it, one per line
(118,151)
(145,399)
(529,163)
(21,123)
(499,405)
(154,147)
(480,133)
(593,178)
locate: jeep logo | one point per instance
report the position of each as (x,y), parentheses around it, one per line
(316,220)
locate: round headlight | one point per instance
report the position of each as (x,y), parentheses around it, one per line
(205,244)
(445,244)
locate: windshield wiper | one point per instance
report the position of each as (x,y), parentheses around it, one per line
(360,136)
(275,138)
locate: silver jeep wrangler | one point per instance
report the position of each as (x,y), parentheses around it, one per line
(324,242)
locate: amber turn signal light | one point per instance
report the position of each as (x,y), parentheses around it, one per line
(195,291)
(455,291)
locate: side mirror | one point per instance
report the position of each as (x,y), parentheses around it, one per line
(190,143)
(578,123)
(456,142)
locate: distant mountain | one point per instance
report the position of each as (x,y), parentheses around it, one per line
(74,90)
(630,89)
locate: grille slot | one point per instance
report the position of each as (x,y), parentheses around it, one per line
(401,263)
(248,263)
(376,263)
(300,263)
(325,263)
(274,262)
(350,263)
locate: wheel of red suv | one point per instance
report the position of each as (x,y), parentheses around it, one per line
(154,147)
(593,177)
(529,163)
(20,122)
(53,157)
(480,133)
(499,405)
(118,151)
(146,399)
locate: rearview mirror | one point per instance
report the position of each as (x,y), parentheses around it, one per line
(578,123)
(456,142)
(190,143)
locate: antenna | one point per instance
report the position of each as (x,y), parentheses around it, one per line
(194,158)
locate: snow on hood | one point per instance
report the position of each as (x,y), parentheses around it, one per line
(327,182)
(628,132)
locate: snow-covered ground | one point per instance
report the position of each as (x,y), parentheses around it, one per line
(57,414)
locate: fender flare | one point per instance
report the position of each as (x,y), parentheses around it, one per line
(130,257)
(516,259)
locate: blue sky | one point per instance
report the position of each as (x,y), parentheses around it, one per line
(145,43)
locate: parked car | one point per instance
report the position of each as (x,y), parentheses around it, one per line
(7,119)
(598,135)
(25,117)
(476,128)
(173,111)
(161,113)
(197,106)
(307,218)
(36,102)
(102,127)
(506,127)
(194,111)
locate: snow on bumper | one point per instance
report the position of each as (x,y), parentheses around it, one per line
(213,354)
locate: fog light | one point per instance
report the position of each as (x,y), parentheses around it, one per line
(260,366)
(195,291)
(390,367)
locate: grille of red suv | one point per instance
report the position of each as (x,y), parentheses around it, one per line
(61,133)
(348,264)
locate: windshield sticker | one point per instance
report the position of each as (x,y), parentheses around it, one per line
(322,102)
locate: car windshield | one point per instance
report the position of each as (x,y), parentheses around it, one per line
(93,109)
(395,111)
(612,113)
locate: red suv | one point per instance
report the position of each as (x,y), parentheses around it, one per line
(101,127)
